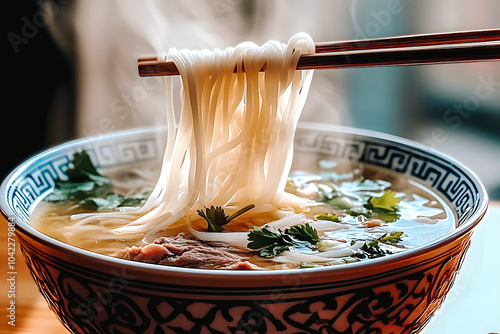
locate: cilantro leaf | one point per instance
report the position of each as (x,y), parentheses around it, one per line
(388,201)
(82,167)
(109,202)
(113,201)
(391,238)
(83,180)
(271,241)
(327,216)
(304,233)
(216,217)
(134,199)
(372,248)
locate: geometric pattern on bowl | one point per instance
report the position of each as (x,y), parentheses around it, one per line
(91,293)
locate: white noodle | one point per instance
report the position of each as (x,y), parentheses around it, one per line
(287,221)
(295,258)
(234,142)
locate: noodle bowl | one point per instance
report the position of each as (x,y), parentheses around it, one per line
(226,179)
(360,191)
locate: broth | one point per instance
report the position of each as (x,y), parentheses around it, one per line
(421,217)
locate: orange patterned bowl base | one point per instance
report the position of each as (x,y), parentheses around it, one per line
(92,293)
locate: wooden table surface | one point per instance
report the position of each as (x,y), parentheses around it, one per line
(472,306)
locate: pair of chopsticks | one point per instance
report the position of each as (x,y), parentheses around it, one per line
(465,46)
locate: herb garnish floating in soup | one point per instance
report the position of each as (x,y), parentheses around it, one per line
(224,196)
(94,190)
(343,222)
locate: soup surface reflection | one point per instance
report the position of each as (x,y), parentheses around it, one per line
(347,217)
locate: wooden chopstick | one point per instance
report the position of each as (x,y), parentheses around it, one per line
(467,52)
(465,46)
(472,36)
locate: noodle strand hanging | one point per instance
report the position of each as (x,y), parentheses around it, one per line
(234,141)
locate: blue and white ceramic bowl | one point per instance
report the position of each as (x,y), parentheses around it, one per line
(92,293)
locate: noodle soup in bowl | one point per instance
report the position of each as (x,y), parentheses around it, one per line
(395,293)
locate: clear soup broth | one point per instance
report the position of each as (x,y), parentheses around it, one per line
(355,212)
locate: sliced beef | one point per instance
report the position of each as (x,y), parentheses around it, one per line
(182,251)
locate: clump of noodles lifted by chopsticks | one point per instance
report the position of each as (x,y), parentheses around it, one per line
(233,145)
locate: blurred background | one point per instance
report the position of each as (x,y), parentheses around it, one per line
(72,69)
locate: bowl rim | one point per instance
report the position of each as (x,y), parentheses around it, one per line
(456,233)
